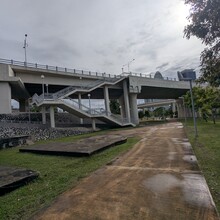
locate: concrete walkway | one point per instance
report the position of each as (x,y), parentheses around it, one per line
(157,179)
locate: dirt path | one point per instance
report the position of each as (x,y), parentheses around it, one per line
(157,179)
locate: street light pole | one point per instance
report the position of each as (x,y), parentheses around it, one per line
(25,49)
(47,89)
(42,77)
(128,65)
(193,108)
(89,103)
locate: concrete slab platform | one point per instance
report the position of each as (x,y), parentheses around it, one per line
(12,178)
(84,147)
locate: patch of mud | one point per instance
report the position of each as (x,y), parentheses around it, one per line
(193,186)
(195,191)
(171,155)
(161,183)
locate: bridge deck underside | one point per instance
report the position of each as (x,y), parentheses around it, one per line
(148,92)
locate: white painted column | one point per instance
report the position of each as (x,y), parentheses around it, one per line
(93,124)
(52,118)
(126,101)
(173,107)
(43,111)
(80,107)
(106,97)
(122,106)
(134,108)
(5,98)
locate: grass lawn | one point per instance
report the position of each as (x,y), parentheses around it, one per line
(207,150)
(57,174)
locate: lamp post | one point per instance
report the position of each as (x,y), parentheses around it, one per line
(25,49)
(193,107)
(89,95)
(47,89)
(128,65)
(42,77)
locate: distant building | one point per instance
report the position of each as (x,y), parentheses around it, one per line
(186,74)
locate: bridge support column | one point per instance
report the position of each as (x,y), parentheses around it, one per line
(5,98)
(80,107)
(122,107)
(173,107)
(126,101)
(106,97)
(23,105)
(43,111)
(180,108)
(188,112)
(134,108)
(52,118)
(93,124)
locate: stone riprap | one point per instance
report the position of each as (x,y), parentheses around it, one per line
(37,134)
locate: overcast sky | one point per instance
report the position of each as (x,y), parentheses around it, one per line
(99,35)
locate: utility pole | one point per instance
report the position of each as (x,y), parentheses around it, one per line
(193,106)
(25,49)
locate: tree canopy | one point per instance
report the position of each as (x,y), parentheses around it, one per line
(114,106)
(206,101)
(204,21)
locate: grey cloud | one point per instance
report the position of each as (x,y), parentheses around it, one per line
(163,65)
(97,35)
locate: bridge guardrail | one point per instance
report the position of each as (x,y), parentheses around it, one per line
(56,68)
(75,71)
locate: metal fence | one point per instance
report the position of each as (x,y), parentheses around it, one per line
(75,71)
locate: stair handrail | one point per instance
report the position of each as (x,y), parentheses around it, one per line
(68,89)
(91,111)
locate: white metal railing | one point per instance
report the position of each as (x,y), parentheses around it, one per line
(70,89)
(146,75)
(79,106)
(57,68)
(108,77)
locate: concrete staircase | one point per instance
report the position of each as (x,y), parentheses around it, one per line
(62,100)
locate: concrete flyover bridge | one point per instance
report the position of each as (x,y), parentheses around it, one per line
(50,86)
(156,103)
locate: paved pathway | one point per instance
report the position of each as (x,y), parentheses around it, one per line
(157,179)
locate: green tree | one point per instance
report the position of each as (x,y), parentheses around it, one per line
(140,114)
(159,112)
(147,113)
(204,21)
(114,106)
(206,101)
